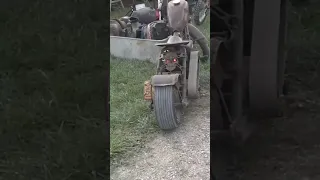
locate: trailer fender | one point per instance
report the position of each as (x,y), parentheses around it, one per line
(165,80)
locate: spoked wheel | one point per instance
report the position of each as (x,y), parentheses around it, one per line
(201,10)
(167,106)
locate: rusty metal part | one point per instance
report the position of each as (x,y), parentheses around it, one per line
(179,78)
(165,79)
(174,40)
(147,91)
(117,27)
(263,73)
(168,58)
(171,65)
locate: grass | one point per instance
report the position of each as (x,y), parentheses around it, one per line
(303,47)
(130,117)
(52,87)
(132,122)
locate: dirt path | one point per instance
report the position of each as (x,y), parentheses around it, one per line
(183,154)
(287,149)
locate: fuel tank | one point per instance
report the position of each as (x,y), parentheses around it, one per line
(178,14)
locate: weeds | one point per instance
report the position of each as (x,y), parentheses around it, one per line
(52,87)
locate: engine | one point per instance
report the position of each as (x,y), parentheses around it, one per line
(171,59)
(143,23)
(156,30)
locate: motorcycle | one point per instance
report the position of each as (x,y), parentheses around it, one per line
(177,75)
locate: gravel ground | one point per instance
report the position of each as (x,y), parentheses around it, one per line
(182,154)
(286,148)
(290,151)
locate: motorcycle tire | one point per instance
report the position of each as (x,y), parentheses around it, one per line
(199,7)
(166,106)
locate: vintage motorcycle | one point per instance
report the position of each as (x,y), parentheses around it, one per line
(177,75)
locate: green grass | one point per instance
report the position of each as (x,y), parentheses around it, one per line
(130,116)
(303,47)
(53,69)
(132,122)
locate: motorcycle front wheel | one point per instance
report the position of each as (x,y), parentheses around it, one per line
(167,107)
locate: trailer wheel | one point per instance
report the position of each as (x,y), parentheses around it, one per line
(167,107)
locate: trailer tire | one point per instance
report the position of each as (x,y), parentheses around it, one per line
(168,115)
